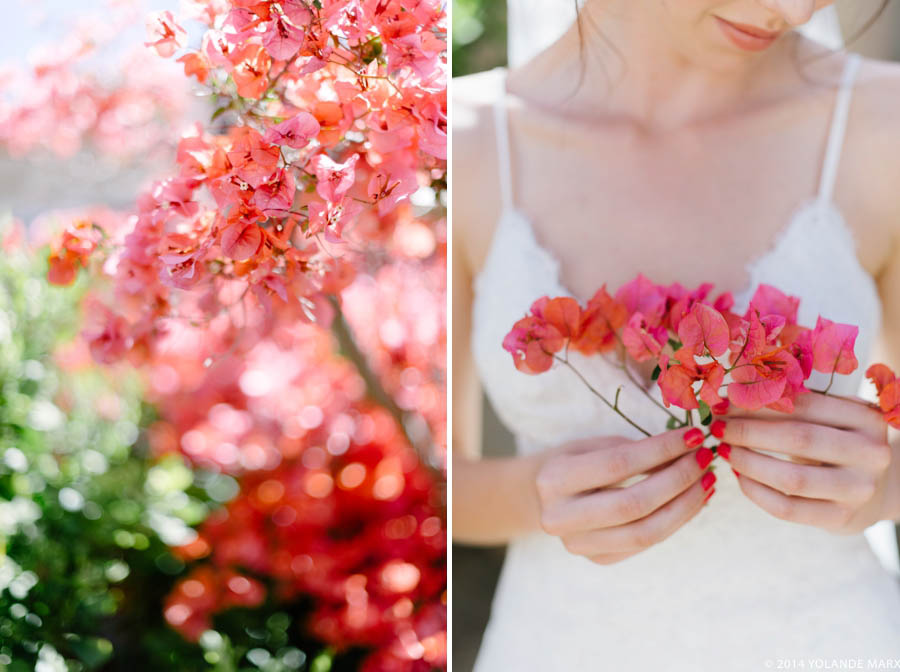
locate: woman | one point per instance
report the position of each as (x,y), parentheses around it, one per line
(694,141)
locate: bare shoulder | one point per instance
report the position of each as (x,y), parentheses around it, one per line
(474,166)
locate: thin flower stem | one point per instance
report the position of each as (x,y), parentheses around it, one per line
(613,406)
(648,395)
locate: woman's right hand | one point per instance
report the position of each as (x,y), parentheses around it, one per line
(582,503)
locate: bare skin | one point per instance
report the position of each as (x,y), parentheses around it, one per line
(636,163)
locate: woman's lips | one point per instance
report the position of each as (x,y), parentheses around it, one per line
(749,38)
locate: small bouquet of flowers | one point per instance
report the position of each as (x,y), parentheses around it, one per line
(707,356)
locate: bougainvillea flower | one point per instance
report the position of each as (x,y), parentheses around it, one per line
(282,39)
(704,331)
(62,268)
(253,159)
(164,34)
(769,300)
(276,196)
(677,384)
(641,295)
(532,343)
(643,341)
(562,313)
(680,301)
(600,321)
(241,242)
(195,65)
(712,375)
(764,375)
(294,132)
(251,70)
(832,347)
(334,179)
(888,388)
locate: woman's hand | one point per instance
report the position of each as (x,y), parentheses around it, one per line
(581,503)
(843,472)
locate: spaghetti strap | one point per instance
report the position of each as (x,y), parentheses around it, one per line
(501,131)
(838,129)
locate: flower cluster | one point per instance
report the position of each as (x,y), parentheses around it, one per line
(888,388)
(707,356)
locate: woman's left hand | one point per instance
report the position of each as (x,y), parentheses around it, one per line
(842,444)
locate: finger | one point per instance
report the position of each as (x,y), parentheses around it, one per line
(808,441)
(828,515)
(617,506)
(840,412)
(642,533)
(573,474)
(813,482)
(611,558)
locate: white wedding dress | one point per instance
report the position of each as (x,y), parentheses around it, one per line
(735,588)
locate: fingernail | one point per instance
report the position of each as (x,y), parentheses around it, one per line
(693,437)
(708,479)
(724,449)
(710,494)
(722,408)
(717,428)
(704,457)
(736,473)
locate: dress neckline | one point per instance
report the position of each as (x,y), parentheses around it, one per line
(821,205)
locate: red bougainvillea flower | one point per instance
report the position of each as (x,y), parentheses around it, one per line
(253,159)
(676,382)
(832,347)
(164,34)
(888,388)
(764,375)
(643,341)
(600,322)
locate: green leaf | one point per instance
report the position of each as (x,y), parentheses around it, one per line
(705,413)
(675,344)
(656,372)
(673,423)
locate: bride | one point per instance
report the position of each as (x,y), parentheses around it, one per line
(694,141)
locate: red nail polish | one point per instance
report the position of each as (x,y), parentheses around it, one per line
(693,437)
(717,428)
(708,479)
(710,494)
(736,473)
(724,449)
(722,408)
(704,457)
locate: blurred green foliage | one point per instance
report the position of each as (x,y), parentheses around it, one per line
(479,35)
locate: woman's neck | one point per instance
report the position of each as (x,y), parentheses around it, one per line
(626,63)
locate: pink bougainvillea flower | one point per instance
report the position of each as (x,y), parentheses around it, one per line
(769,300)
(195,65)
(712,375)
(164,34)
(282,39)
(389,184)
(680,301)
(253,159)
(331,218)
(241,241)
(703,330)
(276,196)
(832,347)
(334,179)
(764,375)
(294,132)
(532,343)
(600,322)
(562,313)
(888,388)
(677,383)
(62,268)
(641,295)
(251,70)
(643,341)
